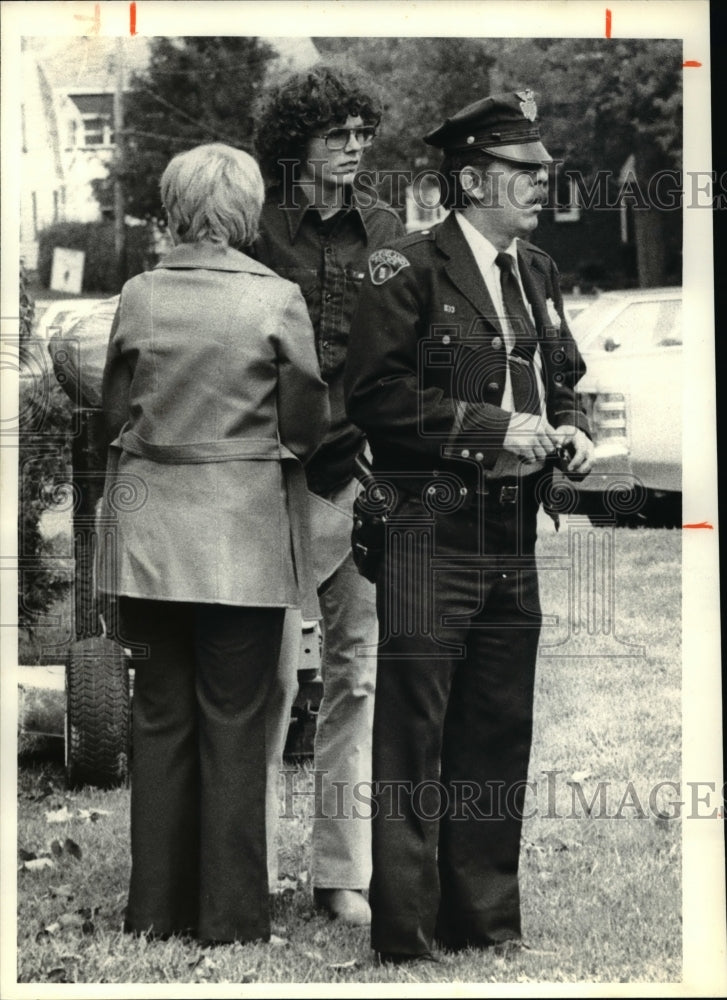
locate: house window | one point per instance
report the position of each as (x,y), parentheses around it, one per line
(568,199)
(96,131)
(95,112)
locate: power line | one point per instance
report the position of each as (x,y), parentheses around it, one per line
(182,114)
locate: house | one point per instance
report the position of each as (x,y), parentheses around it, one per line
(67,101)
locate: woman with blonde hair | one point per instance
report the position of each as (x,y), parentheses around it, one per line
(213,400)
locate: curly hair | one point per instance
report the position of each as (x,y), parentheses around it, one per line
(304,102)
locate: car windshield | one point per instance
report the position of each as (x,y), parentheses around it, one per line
(638,326)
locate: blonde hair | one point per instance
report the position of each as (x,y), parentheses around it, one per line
(213,193)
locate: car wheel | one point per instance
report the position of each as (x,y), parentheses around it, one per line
(97,714)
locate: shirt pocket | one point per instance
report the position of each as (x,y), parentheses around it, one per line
(353,277)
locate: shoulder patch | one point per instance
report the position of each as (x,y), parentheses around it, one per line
(384,264)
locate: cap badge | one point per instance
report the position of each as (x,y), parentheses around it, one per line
(384,264)
(527,104)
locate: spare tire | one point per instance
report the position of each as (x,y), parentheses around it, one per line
(97,714)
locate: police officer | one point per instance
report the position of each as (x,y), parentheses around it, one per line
(461,371)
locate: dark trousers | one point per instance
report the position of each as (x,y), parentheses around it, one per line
(198,773)
(459,620)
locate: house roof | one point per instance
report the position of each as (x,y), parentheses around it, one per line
(87,62)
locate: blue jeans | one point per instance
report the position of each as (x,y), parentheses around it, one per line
(341,848)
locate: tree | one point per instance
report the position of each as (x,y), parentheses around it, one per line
(605,102)
(601,101)
(422,80)
(196,90)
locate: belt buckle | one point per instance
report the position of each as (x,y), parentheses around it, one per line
(508,494)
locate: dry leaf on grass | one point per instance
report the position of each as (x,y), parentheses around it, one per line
(72,847)
(278,942)
(61,891)
(58,975)
(38,864)
(344,965)
(59,816)
(92,815)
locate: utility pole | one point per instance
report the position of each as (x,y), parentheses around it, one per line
(118,162)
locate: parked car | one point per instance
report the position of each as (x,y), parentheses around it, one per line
(632,344)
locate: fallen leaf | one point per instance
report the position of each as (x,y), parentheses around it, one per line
(303,878)
(26,855)
(278,942)
(92,815)
(344,965)
(57,976)
(67,920)
(37,864)
(51,928)
(59,816)
(56,848)
(62,891)
(72,847)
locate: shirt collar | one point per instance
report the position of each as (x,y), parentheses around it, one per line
(296,206)
(480,246)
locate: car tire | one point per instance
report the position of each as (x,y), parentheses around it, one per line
(97,714)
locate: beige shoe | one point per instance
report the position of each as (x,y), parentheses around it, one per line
(346,905)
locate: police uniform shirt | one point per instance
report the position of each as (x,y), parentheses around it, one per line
(484,254)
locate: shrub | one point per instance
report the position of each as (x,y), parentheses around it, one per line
(96,239)
(44,454)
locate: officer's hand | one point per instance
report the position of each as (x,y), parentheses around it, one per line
(581,446)
(530,437)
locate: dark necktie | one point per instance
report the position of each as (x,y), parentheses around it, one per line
(525,394)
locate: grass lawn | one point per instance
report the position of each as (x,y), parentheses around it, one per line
(601,858)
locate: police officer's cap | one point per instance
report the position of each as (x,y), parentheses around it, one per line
(502,125)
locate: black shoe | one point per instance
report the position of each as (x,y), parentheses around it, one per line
(396,958)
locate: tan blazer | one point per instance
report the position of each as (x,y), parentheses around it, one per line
(213,399)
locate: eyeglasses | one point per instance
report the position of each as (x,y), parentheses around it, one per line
(339,138)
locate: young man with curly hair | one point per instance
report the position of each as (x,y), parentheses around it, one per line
(316,229)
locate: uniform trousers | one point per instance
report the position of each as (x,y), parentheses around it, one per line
(459,622)
(198,845)
(341,840)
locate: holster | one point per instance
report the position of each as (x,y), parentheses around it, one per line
(370,512)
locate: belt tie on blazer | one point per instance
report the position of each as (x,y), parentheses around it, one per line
(250,449)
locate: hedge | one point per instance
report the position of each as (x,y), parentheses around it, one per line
(96,239)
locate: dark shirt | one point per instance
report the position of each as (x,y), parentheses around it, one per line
(328,260)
